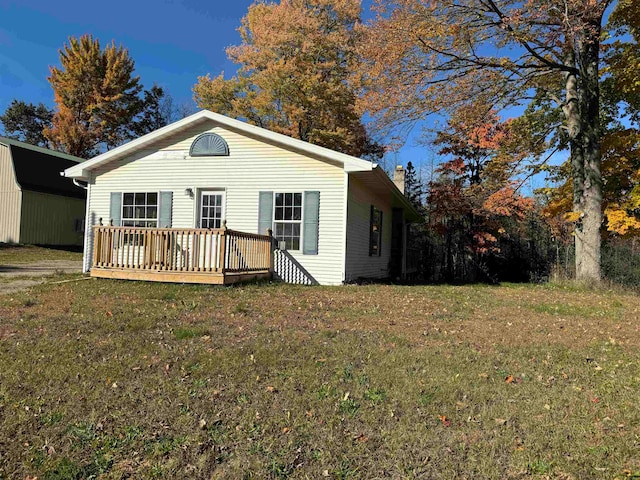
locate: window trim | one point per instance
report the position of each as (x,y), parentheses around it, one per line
(124,219)
(198,210)
(378,252)
(221,142)
(300,222)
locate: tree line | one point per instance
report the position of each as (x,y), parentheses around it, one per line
(314,70)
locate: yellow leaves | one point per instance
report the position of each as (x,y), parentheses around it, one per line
(620,221)
(572,217)
(96,95)
(294,62)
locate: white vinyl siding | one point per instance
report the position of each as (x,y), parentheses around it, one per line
(359,264)
(252,166)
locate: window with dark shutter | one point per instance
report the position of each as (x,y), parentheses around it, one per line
(375,232)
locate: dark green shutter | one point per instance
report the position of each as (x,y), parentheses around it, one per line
(165,201)
(265,212)
(311,223)
(115,209)
(380,236)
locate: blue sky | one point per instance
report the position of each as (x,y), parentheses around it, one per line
(171,41)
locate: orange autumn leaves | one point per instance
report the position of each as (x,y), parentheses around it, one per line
(473,190)
(295,60)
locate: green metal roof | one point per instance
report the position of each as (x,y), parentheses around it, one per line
(18,143)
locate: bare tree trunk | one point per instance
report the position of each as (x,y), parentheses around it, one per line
(581,111)
(588,264)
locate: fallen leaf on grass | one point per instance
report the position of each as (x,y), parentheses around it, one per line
(500,421)
(445,421)
(510,379)
(361,438)
(272,389)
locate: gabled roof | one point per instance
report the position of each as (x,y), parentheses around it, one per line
(350,164)
(38,169)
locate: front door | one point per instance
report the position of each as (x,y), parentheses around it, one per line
(211,211)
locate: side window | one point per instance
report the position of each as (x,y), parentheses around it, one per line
(375,232)
(287,219)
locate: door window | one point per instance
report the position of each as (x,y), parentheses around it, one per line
(211,209)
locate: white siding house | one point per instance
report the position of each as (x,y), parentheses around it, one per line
(208,169)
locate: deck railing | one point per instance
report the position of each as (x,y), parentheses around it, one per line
(181,250)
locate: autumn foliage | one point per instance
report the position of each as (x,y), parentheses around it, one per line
(424,57)
(294,60)
(100,101)
(473,204)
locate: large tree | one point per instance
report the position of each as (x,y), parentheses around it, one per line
(26,122)
(294,62)
(100,102)
(425,56)
(620,126)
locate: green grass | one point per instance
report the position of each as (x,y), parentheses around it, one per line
(111,379)
(12,254)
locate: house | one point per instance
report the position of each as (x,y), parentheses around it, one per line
(197,199)
(37,204)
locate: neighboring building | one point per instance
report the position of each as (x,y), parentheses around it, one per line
(335,217)
(37,204)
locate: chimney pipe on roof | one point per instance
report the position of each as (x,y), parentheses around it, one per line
(398,178)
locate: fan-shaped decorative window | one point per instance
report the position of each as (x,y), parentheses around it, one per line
(209,145)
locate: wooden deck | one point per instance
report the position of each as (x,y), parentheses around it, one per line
(196,255)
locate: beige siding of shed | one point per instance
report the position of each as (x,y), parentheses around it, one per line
(10,199)
(251,167)
(358,262)
(50,219)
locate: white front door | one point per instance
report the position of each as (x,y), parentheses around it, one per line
(211,210)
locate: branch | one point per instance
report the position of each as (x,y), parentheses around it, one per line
(547,62)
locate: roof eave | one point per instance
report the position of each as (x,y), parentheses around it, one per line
(414,215)
(350,164)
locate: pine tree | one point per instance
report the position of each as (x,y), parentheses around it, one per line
(26,122)
(413,187)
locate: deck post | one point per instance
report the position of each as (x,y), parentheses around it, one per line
(271,259)
(97,237)
(223,246)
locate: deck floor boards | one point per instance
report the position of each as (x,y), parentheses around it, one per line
(211,278)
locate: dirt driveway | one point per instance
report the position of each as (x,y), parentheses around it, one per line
(21,276)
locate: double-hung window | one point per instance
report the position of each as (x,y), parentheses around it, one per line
(140,209)
(375,232)
(287,219)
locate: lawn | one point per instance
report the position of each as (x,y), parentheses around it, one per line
(13,254)
(113,379)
